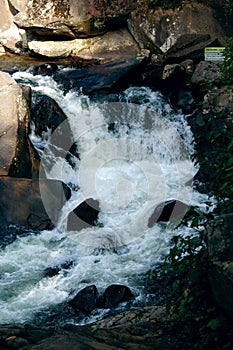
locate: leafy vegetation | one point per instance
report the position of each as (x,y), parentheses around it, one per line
(165,3)
(188,294)
(216,160)
(227,67)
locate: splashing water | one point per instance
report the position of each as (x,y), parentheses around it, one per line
(133,155)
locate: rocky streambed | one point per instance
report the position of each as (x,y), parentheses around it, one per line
(104,53)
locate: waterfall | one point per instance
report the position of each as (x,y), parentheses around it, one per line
(134,154)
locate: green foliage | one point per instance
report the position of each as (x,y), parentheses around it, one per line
(227,66)
(165,3)
(189,297)
(216,160)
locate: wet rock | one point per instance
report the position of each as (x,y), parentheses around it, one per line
(14,121)
(85,300)
(14,342)
(45,113)
(45,69)
(52,271)
(114,295)
(40,202)
(172,210)
(105,77)
(57,315)
(85,215)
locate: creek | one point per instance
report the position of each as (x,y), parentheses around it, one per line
(134,153)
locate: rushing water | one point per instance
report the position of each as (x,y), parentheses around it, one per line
(142,160)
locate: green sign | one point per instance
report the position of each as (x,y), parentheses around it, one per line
(214,54)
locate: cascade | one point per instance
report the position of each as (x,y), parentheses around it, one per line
(133,154)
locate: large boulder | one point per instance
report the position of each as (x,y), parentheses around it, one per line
(158,30)
(112,45)
(109,76)
(10,35)
(85,300)
(14,121)
(190,46)
(206,73)
(45,113)
(72,18)
(114,295)
(23,204)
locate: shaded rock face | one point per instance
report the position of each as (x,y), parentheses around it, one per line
(160,29)
(190,46)
(114,295)
(223,10)
(46,113)
(206,73)
(220,249)
(110,76)
(85,300)
(14,121)
(72,18)
(22,204)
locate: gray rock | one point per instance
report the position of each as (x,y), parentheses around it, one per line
(72,19)
(159,30)
(110,46)
(206,73)
(14,124)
